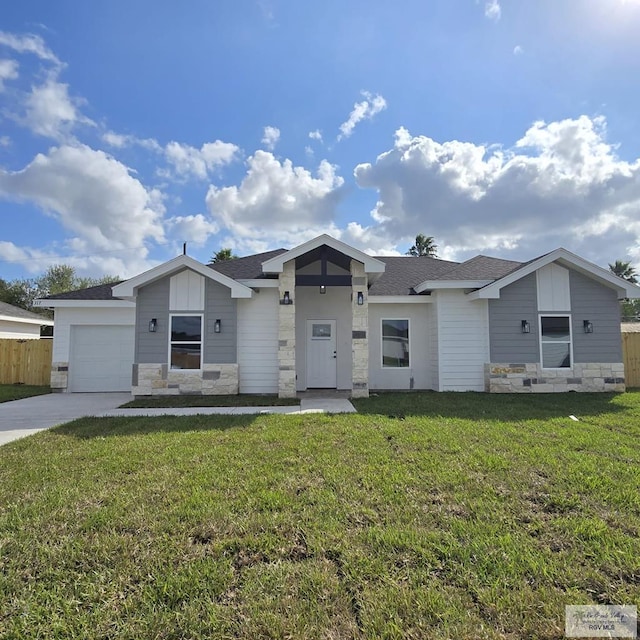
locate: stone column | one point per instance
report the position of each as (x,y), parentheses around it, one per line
(287,333)
(360,329)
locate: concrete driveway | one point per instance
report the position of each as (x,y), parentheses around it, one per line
(23,417)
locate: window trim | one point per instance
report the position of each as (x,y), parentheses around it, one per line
(389,367)
(171,342)
(540,341)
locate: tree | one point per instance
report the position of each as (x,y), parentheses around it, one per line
(630,308)
(624,270)
(222,255)
(424,246)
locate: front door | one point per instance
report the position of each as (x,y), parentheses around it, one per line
(321,354)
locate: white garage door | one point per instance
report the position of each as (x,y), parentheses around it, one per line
(101,358)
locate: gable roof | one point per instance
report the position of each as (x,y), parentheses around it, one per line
(11,313)
(129,288)
(98,292)
(276,264)
(565,258)
(403,273)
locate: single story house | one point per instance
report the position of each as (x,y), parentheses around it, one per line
(326,315)
(21,324)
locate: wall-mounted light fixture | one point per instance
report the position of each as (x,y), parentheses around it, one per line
(525,326)
(217,326)
(360,298)
(323,288)
(153,325)
(286,299)
(588,326)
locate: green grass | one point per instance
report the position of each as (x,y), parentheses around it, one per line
(425,516)
(242,400)
(10,392)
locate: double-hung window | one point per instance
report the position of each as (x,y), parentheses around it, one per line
(185,342)
(555,341)
(395,343)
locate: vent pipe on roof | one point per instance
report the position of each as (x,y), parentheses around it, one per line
(184,248)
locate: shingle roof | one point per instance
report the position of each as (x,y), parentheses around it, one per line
(481,268)
(99,292)
(12,311)
(402,273)
(247,268)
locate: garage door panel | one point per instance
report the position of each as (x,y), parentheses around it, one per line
(101,358)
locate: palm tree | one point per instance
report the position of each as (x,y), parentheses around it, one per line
(424,246)
(624,270)
(222,255)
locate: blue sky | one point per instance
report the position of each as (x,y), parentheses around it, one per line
(501,127)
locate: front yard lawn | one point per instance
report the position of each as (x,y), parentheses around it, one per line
(425,516)
(10,392)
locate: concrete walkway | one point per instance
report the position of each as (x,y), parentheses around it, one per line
(27,416)
(310,405)
(24,417)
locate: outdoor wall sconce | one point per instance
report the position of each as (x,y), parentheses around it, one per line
(153,325)
(286,299)
(525,326)
(217,326)
(323,288)
(360,298)
(588,326)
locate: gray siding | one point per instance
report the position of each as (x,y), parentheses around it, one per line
(152,302)
(220,348)
(599,304)
(517,302)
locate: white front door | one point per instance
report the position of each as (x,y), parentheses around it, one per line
(321,354)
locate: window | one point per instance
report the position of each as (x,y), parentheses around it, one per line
(555,342)
(395,343)
(185,347)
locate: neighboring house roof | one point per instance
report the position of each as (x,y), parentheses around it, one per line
(11,313)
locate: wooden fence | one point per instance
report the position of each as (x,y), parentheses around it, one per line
(25,361)
(631,355)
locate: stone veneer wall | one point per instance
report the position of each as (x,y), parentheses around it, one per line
(287,333)
(59,376)
(531,378)
(360,328)
(159,380)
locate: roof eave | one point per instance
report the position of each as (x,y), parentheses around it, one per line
(430,285)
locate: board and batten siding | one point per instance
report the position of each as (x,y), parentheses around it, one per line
(220,348)
(258,342)
(598,304)
(463,341)
(66,317)
(152,302)
(518,301)
(418,374)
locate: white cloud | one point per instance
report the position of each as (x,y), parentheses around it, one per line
(5,141)
(277,202)
(194,229)
(93,196)
(121,141)
(8,71)
(188,161)
(316,135)
(51,112)
(560,185)
(28,43)
(518,50)
(365,110)
(492,10)
(271,137)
